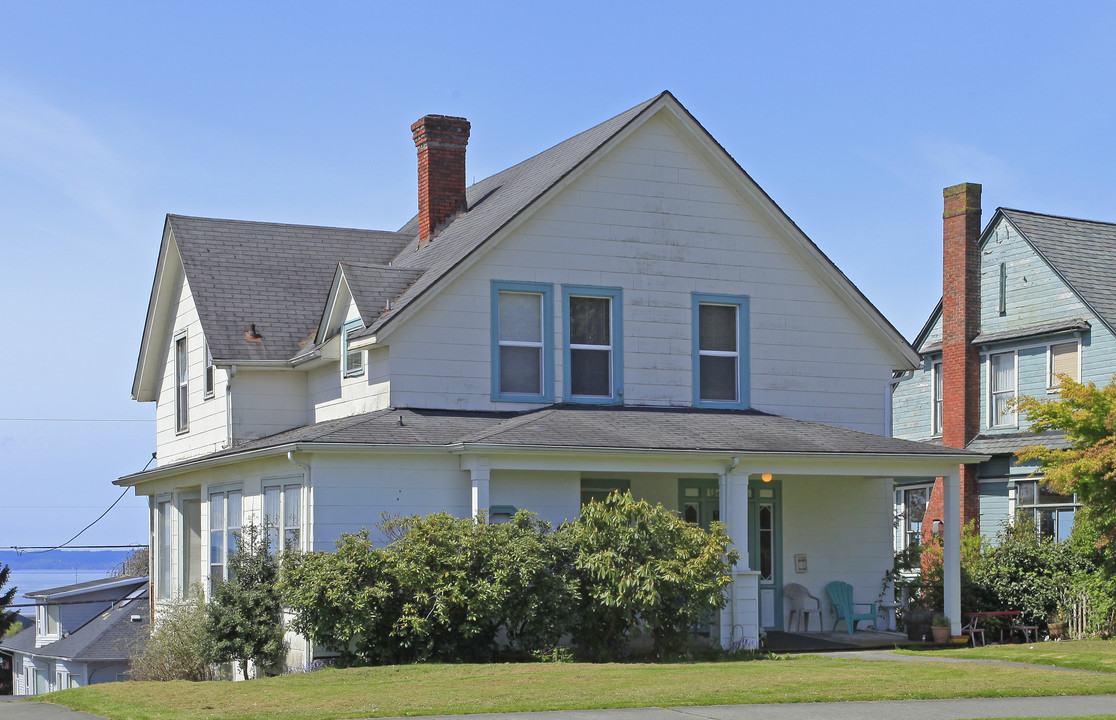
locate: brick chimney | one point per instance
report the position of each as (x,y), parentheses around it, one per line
(960,324)
(441,142)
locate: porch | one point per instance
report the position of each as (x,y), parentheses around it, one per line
(788,642)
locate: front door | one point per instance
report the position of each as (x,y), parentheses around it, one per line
(699,501)
(765,549)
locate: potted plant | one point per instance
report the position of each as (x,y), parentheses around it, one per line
(1056,623)
(939,626)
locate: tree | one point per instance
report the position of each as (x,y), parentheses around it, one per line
(1087,416)
(134,565)
(244,619)
(7,617)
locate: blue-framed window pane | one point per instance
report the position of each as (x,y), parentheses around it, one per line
(522,342)
(593,344)
(354,359)
(720,351)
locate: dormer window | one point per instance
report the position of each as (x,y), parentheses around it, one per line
(48,620)
(354,359)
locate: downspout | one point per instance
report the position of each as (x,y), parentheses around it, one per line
(229,407)
(725,505)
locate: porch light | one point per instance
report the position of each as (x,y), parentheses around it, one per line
(766,477)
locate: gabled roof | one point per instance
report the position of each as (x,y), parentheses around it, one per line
(1081,252)
(113,635)
(270,275)
(277,277)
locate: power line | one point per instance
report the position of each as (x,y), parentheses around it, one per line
(75,420)
(106,512)
(22,548)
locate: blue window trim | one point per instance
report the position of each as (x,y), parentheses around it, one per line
(743,379)
(348,327)
(547,293)
(617,297)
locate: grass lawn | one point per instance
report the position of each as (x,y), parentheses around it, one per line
(434,689)
(1081,654)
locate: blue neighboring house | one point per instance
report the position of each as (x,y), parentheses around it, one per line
(83,634)
(1045,307)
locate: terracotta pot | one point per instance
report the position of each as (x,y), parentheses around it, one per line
(941,634)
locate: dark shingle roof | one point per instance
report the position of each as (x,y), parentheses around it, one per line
(1012,442)
(668,429)
(112,635)
(272,275)
(373,286)
(23,641)
(495,201)
(579,426)
(1083,252)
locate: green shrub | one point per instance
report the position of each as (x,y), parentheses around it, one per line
(637,563)
(178,645)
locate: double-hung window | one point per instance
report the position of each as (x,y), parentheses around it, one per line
(593,344)
(354,359)
(522,342)
(720,350)
(1001,373)
(937,399)
(283,517)
(911,506)
(1063,360)
(181,385)
(225,520)
(208,386)
(163,532)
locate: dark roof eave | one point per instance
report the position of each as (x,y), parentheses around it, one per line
(959,456)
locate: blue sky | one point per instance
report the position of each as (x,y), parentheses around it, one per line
(853,117)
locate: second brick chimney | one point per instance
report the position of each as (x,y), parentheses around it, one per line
(960,324)
(441,142)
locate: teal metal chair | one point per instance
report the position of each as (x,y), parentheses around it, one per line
(841,598)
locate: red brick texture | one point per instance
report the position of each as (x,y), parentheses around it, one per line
(960,324)
(441,142)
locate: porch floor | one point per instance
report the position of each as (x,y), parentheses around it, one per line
(823,641)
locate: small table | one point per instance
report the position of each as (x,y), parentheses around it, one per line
(973,628)
(888,609)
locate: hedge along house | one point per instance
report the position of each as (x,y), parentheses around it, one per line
(1026,300)
(626,310)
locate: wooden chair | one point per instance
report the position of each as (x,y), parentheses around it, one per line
(840,597)
(802,604)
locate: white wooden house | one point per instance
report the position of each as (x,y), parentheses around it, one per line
(627,309)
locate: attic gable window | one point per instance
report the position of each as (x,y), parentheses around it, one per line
(354,359)
(522,342)
(1064,359)
(720,351)
(593,344)
(181,385)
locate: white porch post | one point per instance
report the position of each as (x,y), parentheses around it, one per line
(480,474)
(740,617)
(951,548)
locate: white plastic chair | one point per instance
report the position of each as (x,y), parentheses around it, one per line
(802,603)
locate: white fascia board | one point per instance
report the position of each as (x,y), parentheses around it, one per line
(518,220)
(107,585)
(750,191)
(188,466)
(502,457)
(149,365)
(330,309)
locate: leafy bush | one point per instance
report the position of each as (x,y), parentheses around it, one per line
(178,645)
(244,619)
(445,587)
(637,563)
